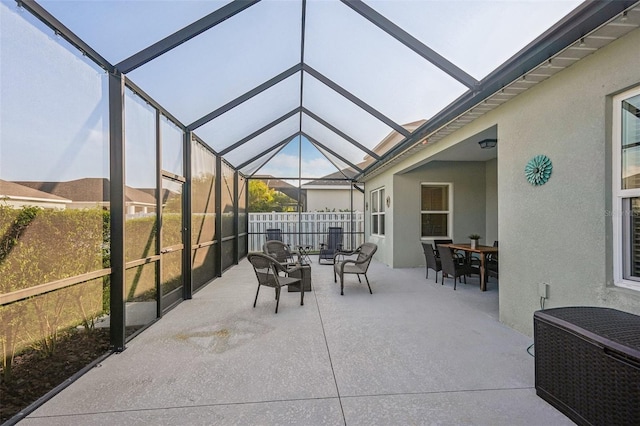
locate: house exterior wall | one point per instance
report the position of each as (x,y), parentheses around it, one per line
(400,247)
(560,232)
(338,199)
(491,203)
(384,253)
(468,206)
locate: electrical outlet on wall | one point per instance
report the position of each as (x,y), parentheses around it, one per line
(543,290)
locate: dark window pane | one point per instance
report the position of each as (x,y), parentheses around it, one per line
(382,224)
(632,239)
(630,142)
(434,225)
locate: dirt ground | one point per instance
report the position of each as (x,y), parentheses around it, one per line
(33,374)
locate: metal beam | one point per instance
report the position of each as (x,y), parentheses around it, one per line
(245,97)
(138,91)
(260,131)
(340,133)
(361,190)
(412,43)
(353,98)
(268,159)
(218,219)
(303,27)
(266,151)
(315,142)
(117,211)
(183,35)
(64,32)
(187,217)
(236,212)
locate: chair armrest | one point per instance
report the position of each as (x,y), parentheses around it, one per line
(357,262)
(344,253)
(296,267)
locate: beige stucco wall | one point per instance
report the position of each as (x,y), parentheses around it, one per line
(384,253)
(401,247)
(491,202)
(468,188)
(558,233)
(339,199)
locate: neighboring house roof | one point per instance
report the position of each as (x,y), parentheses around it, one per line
(331,179)
(14,190)
(89,190)
(280,185)
(390,141)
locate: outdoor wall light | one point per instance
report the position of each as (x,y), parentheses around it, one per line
(488,143)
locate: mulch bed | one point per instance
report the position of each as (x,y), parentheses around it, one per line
(33,374)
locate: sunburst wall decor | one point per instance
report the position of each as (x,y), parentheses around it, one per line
(538,170)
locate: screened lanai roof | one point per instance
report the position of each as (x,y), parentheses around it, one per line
(305,88)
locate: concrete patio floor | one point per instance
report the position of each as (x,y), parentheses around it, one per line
(415,352)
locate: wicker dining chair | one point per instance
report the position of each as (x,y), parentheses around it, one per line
(492,263)
(432,261)
(453,267)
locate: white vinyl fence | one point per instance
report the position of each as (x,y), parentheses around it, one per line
(307,228)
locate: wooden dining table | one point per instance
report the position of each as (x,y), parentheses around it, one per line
(482,251)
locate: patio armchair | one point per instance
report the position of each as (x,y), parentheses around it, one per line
(280,251)
(332,245)
(358,266)
(455,267)
(274,234)
(268,271)
(432,261)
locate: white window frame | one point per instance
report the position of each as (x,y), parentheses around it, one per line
(619,195)
(375,216)
(449,212)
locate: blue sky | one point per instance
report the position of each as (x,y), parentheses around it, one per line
(54,119)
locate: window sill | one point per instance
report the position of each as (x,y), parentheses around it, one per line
(630,287)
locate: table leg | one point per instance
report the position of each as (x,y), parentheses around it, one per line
(483,282)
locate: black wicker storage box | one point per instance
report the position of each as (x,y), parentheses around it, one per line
(587,364)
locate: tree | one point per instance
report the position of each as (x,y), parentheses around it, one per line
(265,199)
